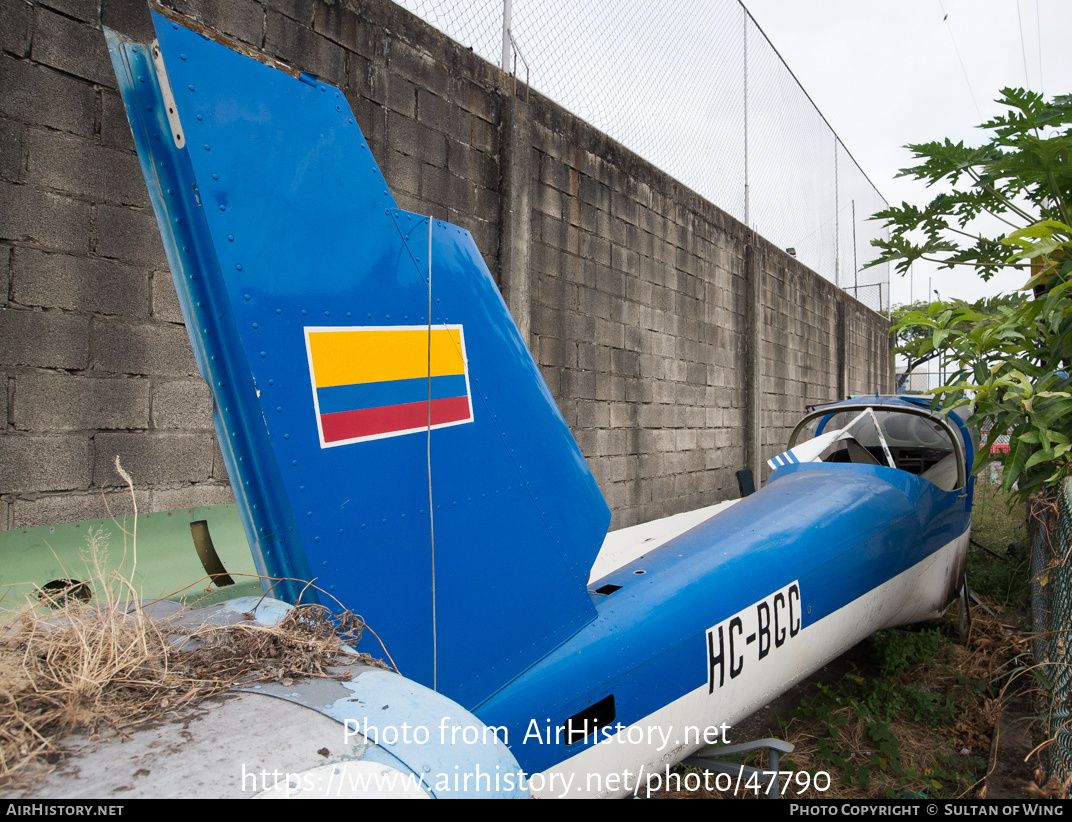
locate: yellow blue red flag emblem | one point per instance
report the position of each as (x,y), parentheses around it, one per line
(382,381)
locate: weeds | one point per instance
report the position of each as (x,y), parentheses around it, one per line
(67,665)
(999,569)
(113,667)
(906,727)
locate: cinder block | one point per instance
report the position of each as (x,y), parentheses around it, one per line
(182,404)
(593,414)
(432,110)
(460,190)
(301,46)
(410,202)
(553,291)
(579,326)
(662,489)
(663,391)
(165,305)
(372,85)
(46,339)
(483,136)
(115,127)
(12,156)
(472,97)
(69,163)
(129,17)
(151,348)
(578,384)
(637,339)
(625,362)
(609,333)
(475,166)
(612,281)
(129,234)
(55,509)
(696,373)
(242,19)
(557,353)
(88,11)
(595,248)
(191,496)
(593,357)
(71,47)
(553,377)
(549,201)
(694,417)
(403,172)
(403,135)
(401,95)
(624,207)
(219,468)
(15,16)
(79,283)
(345,27)
(429,145)
(654,416)
(619,442)
(652,366)
(68,402)
(626,518)
(487,202)
(610,387)
(556,175)
(435,184)
(152,458)
(50,220)
(419,67)
(36,463)
(623,415)
(460,126)
(300,10)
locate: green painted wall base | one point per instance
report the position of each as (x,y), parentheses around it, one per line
(101,553)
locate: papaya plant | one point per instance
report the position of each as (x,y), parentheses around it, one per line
(1013,354)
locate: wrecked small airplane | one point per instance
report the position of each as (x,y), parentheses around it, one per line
(389,438)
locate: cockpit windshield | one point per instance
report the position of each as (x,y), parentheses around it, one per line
(909,441)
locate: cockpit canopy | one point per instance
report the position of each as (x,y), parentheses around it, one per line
(899,434)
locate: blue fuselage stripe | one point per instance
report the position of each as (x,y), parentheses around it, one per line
(396,392)
(841,530)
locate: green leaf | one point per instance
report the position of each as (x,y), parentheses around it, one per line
(1012,354)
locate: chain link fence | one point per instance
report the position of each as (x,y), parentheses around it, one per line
(695,88)
(1051,608)
(920,380)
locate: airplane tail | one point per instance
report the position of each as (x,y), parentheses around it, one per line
(386,432)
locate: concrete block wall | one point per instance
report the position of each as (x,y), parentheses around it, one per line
(637,320)
(632,291)
(800,352)
(94,356)
(870,364)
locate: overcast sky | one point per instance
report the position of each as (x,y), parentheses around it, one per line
(885,73)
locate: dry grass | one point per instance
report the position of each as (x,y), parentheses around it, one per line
(66,665)
(984,658)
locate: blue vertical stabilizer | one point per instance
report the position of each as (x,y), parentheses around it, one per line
(415,468)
